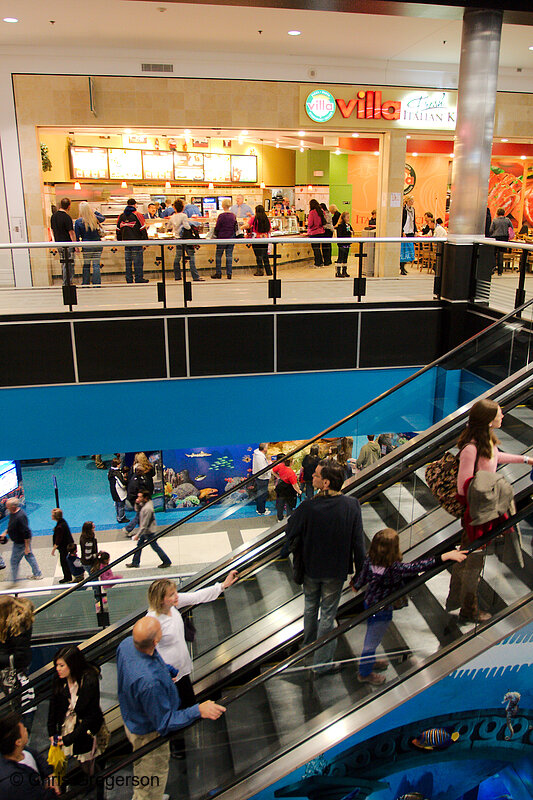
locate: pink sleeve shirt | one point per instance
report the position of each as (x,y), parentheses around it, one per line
(314,223)
(467,461)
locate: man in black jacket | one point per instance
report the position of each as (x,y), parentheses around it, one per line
(61,539)
(326,535)
(24,773)
(118,484)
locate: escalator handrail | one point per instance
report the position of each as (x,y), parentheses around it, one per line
(273,544)
(340,630)
(247,482)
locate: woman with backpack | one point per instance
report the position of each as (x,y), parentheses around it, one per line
(478,447)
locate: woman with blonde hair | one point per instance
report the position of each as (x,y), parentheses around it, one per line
(16,623)
(87,229)
(163,604)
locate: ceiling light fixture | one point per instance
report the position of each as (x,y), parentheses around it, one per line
(301,133)
(14,19)
(355,135)
(297,33)
(277,145)
(240,140)
(408,136)
(167,185)
(531,48)
(186,132)
(523,158)
(301,149)
(123,185)
(376,153)
(211,187)
(504,140)
(337,152)
(452,155)
(262,185)
(244,133)
(127,130)
(414,154)
(309,188)
(77,186)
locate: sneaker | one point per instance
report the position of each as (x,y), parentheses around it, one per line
(372,677)
(128,533)
(216,277)
(266,513)
(260,513)
(39,577)
(163,565)
(132,566)
(64,580)
(123,520)
(2,566)
(381,664)
(481,616)
(143,280)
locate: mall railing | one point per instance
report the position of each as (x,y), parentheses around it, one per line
(432,393)
(514,286)
(60,267)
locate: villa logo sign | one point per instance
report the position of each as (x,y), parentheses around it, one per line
(320,105)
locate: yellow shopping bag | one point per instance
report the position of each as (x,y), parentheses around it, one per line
(58,761)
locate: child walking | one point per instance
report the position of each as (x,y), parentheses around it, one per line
(100,592)
(384,572)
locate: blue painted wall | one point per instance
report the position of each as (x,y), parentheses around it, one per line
(120,417)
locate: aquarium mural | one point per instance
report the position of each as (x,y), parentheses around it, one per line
(468,737)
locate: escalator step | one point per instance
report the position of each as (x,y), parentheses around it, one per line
(252,733)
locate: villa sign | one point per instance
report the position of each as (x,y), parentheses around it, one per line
(379,108)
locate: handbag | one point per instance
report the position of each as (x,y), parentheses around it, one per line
(9,680)
(441,477)
(188,625)
(511,232)
(102,738)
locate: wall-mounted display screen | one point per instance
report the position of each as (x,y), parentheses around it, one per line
(88,162)
(244,169)
(217,167)
(189,166)
(8,477)
(125,164)
(158,165)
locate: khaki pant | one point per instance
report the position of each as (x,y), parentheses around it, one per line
(464,582)
(151,771)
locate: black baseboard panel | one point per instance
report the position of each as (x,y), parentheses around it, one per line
(227,342)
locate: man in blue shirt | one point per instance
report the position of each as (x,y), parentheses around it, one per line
(149,704)
(241,209)
(192,210)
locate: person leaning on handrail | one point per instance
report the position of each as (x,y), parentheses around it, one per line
(478,447)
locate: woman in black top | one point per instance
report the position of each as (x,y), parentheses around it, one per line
(308,466)
(74,714)
(88,545)
(344,231)
(61,539)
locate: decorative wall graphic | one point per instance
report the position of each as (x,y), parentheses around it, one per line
(410,179)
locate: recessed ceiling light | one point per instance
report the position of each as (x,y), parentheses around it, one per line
(531,48)
(277,144)
(186,131)
(337,152)
(10,19)
(523,158)
(294,33)
(355,135)
(504,140)
(301,149)
(301,133)
(408,136)
(376,152)
(414,154)
(127,130)
(452,155)
(240,140)
(244,133)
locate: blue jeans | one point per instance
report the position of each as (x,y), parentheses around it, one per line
(17,554)
(147,537)
(376,627)
(91,255)
(133,257)
(224,248)
(181,250)
(323,596)
(120,508)
(133,522)
(261,494)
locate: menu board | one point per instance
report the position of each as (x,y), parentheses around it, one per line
(158,165)
(244,169)
(189,166)
(125,164)
(217,167)
(88,162)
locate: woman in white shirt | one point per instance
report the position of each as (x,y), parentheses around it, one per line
(177,223)
(163,604)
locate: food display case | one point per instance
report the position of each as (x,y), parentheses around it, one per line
(284,226)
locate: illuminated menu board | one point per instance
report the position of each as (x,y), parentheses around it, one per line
(189,166)
(216,167)
(244,169)
(88,162)
(158,165)
(125,164)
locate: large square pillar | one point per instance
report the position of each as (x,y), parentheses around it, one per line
(390,201)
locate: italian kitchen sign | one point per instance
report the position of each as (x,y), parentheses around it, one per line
(378,107)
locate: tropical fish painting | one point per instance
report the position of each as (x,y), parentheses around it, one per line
(200,477)
(246,459)
(435,739)
(201,454)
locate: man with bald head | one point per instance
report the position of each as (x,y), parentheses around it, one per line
(149,704)
(19,532)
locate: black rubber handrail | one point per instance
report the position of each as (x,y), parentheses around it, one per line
(294,452)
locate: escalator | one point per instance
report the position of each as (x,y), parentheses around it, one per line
(258,622)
